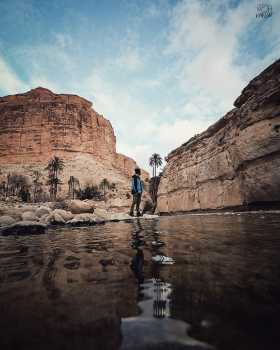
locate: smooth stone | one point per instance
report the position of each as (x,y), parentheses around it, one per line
(56,219)
(29,216)
(6,220)
(45,219)
(102,213)
(77,206)
(83,219)
(66,215)
(120,217)
(43,210)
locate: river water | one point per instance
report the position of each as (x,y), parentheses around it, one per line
(100,288)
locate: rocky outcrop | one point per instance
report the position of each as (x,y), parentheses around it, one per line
(234,162)
(39,124)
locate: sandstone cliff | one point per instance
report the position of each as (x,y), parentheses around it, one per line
(39,124)
(234,162)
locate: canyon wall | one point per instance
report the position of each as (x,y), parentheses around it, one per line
(39,124)
(236,161)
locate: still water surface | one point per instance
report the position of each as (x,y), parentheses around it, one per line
(98,287)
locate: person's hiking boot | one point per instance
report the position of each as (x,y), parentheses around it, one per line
(139,214)
(131,214)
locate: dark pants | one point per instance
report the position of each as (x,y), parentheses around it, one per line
(136,201)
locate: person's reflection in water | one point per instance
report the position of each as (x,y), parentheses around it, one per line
(137,261)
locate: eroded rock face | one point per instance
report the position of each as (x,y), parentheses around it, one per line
(39,124)
(234,162)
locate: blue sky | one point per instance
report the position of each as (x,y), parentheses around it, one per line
(160,70)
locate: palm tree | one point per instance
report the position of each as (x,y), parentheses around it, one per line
(104,184)
(155,161)
(55,166)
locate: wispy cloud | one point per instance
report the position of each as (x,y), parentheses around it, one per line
(168,71)
(10,83)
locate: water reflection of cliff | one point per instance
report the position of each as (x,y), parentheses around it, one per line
(55,292)
(226,280)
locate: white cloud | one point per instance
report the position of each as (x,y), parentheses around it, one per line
(9,82)
(160,93)
(205,45)
(141,130)
(172,135)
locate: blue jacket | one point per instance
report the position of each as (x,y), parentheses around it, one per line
(136,184)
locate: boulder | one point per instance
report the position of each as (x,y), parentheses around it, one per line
(6,220)
(52,219)
(45,219)
(25,208)
(23,228)
(102,213)
(83,219)
(66,215)
(15,213)
(29,216)
(56,219)
(120,217)
(77,206)
(43,210)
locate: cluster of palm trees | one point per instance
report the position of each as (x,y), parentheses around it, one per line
(56,165)
(155,161)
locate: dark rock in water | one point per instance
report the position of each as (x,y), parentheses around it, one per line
(24,228)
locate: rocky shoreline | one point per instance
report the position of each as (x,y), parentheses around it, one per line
(36,218)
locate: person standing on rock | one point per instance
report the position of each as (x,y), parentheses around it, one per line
(136,190)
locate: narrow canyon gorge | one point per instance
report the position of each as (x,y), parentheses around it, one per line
(236,161)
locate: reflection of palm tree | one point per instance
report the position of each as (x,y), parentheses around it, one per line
(155,161)
(162,291)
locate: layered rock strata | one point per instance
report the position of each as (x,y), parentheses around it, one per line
(39,124)
(234,162)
